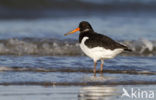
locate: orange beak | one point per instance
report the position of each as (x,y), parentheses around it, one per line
(75,30)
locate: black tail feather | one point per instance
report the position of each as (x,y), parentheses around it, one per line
(127,49)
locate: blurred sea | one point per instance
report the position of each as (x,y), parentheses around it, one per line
(38,62)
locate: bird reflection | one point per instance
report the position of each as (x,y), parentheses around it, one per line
(97,93)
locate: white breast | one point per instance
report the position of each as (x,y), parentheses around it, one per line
(97,53)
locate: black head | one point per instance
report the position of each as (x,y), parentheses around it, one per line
(85,26)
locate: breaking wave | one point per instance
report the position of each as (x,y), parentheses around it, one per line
(56,47)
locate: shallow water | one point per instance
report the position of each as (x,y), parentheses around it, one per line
(60,70)
(103,92)
(49,77)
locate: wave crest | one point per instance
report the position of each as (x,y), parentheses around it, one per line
(55,47)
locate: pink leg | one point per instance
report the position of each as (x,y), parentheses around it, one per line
(94,68)
(102,63)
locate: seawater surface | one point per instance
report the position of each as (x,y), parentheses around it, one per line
(71,77)
(119,27)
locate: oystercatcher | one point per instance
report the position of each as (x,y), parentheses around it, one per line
(97,46)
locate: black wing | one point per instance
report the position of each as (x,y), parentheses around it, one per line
(103,41)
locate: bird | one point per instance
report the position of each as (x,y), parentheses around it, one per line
(97,46)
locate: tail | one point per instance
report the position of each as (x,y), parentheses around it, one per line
(127,49)
(124,47)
